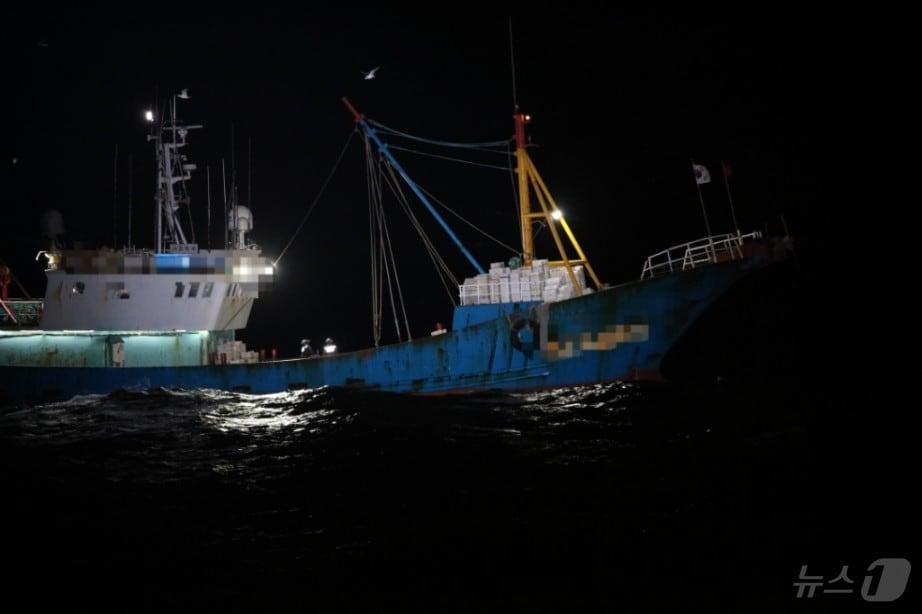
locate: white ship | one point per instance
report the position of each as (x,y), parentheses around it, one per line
(172,305)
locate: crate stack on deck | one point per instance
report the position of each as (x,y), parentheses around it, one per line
(538,282)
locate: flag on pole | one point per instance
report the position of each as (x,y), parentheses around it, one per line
(728,171)
(701,174)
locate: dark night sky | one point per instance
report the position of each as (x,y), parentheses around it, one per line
(621,98)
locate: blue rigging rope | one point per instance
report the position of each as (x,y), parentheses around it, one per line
(384,128)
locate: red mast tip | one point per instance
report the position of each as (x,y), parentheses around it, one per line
(358,116)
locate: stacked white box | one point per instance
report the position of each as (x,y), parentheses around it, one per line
(235,352)
(538,282)
(505,293)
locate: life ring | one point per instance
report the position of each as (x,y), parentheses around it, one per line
(524,335)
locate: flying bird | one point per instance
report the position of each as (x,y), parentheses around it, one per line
(371,73)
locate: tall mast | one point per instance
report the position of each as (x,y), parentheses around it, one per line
(528,246)
(172,173)
(158,196)
(530,179)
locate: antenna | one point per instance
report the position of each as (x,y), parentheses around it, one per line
(234,200)
(515,99)
(233,156)
(208,198)
(115,201)
(249,172)
(224,189)
(130,173)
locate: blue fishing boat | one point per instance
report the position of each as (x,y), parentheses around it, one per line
(168,316)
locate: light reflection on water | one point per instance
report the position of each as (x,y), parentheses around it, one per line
(320,489)
(261,414)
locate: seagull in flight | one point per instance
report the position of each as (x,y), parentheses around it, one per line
(371,73)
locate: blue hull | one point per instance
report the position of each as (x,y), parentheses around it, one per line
(622,332)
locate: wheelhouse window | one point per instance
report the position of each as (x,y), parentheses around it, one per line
(180,289)
(193,289)
(206,291)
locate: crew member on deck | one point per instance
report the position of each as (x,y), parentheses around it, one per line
(329,347)
(439,329)
(307,351)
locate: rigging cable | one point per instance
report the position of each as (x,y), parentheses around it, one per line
(387,270)
(394,184)
(441,267)
(455,213)
(390,248)
(373,251)
(316,198)
(380,247)
(432,155)
(449,209)
(469,223)
(389,265)
(189,211)
(434,142)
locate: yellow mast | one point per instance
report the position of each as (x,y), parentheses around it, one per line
(528,246)
(529,179)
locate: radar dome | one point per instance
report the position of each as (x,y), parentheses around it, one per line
(240,218)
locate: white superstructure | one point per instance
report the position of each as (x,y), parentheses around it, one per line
(107,290)
(174,287)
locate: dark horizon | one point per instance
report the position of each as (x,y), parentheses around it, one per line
(621,99)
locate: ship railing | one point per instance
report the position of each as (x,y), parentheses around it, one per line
(183,248)
(505,291)
(700,252)
(135,251)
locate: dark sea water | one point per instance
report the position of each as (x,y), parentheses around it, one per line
(707,494)
(585,499)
